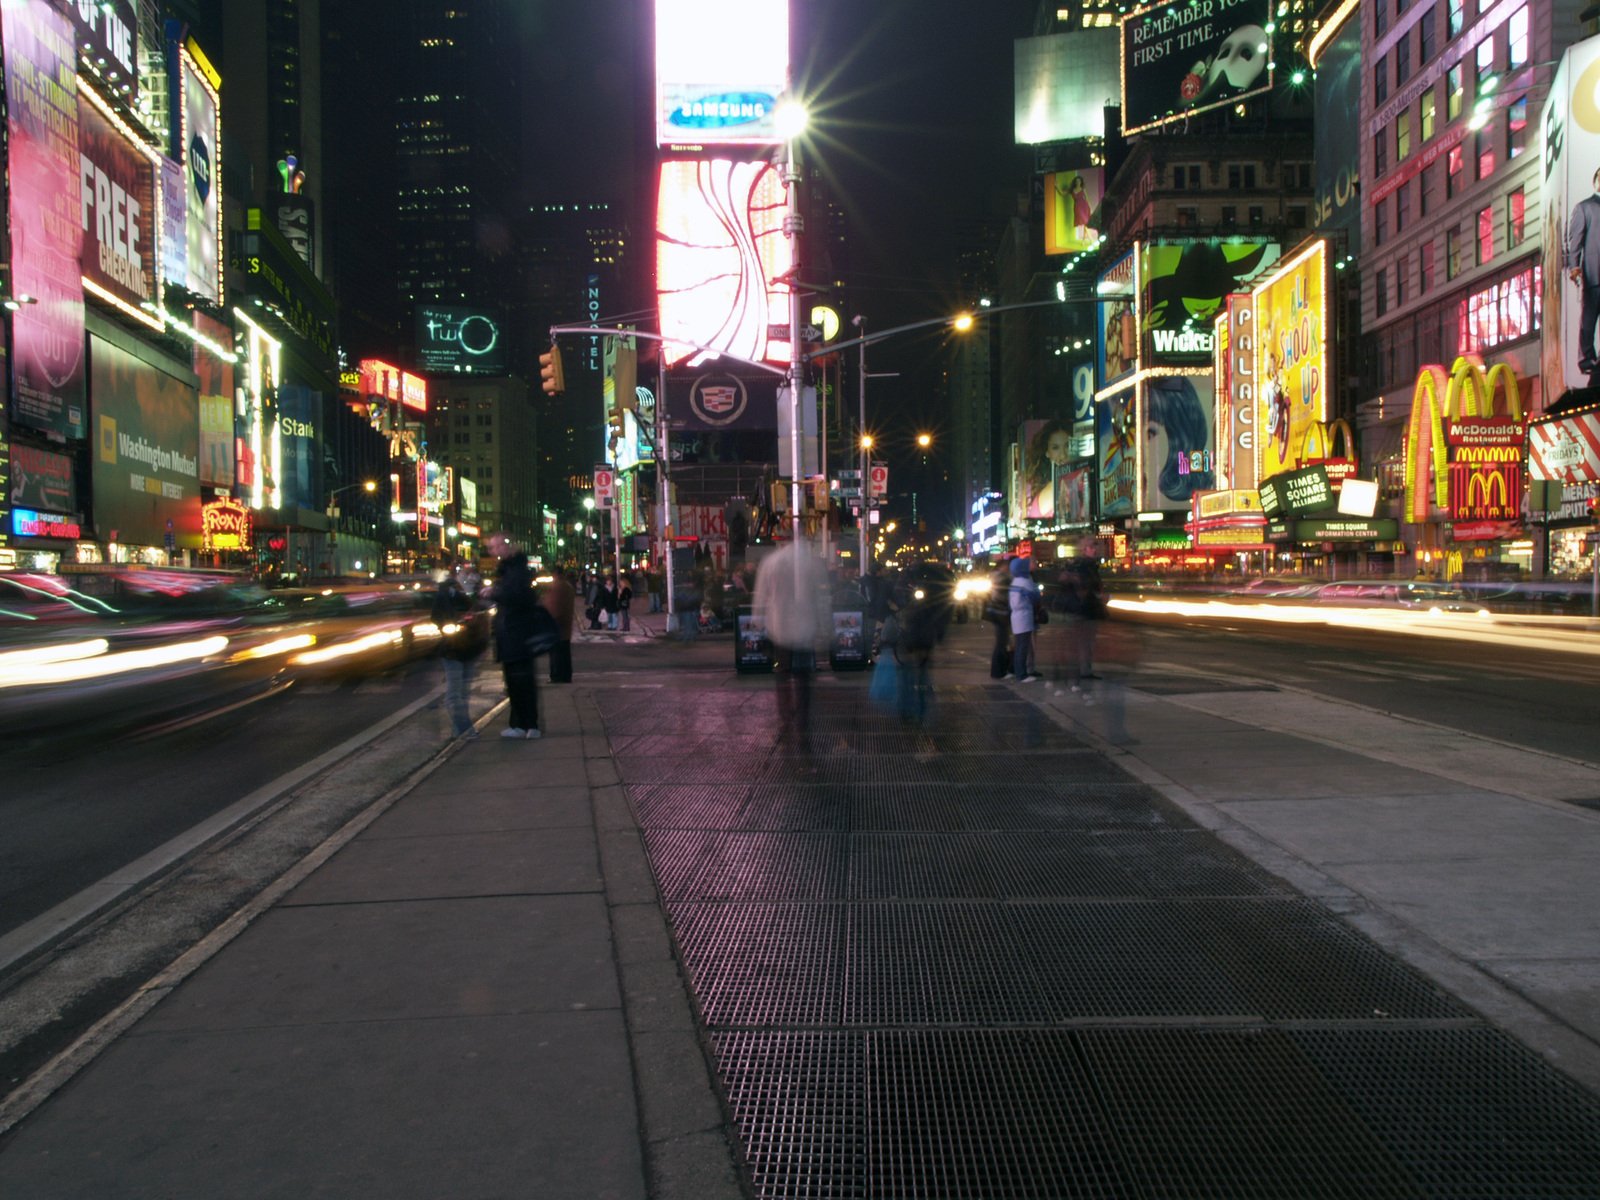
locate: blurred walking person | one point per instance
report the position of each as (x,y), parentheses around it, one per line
(560,600)
(464,636)
(790,601)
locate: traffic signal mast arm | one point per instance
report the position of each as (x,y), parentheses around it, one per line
(600,331)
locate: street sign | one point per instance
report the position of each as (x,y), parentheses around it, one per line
(605,487)
(878,480)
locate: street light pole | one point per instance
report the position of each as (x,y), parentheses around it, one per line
(865,482)
(793,225)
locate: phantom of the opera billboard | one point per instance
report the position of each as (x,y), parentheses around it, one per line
(720,253)
(1570,195)
(1289,316)
(721,66)
(1182,59)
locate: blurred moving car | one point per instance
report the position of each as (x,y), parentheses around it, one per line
(970,595)
(1421,596)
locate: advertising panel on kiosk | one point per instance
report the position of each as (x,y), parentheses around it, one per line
(1570,195)
(44,169)
(1290,320)
(720,255)
(721,66)
(1182,59)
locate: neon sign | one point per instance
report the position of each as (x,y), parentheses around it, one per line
(225,524)
(1486,444)
(26,522)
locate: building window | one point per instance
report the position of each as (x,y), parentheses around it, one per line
(1426,43)
(1455,16)
(1258,215)
(1430,109)
(1380,224)
(1455,92)
(1483,145)
(1297,216)
(1455,162)
(1402,136)
(1402,58)
(1400,269)
(1186,177)
(1188,216)
(1424,186)
(1380,154)
(1485,234)
(1402,205)
(1380,81)
(1241,177)
(1485,63)
(1381,290)
(1516,217)
(1380,19)
(1230,214)
(1516,128)
(1517,40)
(1452,253)
(1425,266)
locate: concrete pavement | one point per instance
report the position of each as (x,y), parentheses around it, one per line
(472,990)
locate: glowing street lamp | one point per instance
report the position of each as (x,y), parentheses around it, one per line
(924,440)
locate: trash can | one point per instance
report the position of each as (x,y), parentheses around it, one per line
(847,644)
(752,652)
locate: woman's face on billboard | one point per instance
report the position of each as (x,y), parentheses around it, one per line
(1059,447)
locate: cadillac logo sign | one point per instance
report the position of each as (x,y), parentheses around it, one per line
(719,400)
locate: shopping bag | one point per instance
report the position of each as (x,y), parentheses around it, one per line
(885,682)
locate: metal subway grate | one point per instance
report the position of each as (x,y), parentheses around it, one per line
(1065,804)
(1069,768)
(1233,1115)
(794,806)
(903,807)
(688,806)
(704,769)
(740,865)
(940,866)
(1189,862)
(1003,1115)
(798,1100)
(1121,960)
(1073,865)
(675,857)
(1471,1113)
(763,964)
(936,964)
(1294,961)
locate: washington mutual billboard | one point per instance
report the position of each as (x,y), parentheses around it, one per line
(1182,59)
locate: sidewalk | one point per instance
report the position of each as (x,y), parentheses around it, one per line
(476,992)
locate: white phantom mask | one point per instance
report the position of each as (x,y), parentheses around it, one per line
(1240,59)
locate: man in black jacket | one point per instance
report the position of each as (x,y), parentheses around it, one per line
(514,605)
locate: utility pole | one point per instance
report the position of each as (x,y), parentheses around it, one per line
(793,226)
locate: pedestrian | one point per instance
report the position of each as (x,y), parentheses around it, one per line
(605,604)
(997,611)
(624,603)
(919,630)
(463,637)
(1087,603)
(1023,594)
(560,600)
(790,602)
(514,605)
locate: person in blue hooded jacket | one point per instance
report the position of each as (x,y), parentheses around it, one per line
(1024,596)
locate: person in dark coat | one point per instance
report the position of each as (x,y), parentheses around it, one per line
(515,603)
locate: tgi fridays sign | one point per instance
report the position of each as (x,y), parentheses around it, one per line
(117,189)
(1566,450)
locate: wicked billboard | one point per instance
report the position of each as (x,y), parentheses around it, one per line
(1186,284)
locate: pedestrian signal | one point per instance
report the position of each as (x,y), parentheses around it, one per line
(551,377)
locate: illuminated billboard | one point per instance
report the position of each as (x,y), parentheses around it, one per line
(1182,59)
(720,248)
(146,456)
(42,133)
(1291,348)
(1571,283)
(259,451)
(1117,321)
(1046,451)
(1177,441)
(1185,285)
(1336,55)
(720,67)
(117,188)
(1063,85)
(1117,441)
(453,338)
(1071,199)
(387,382)
(215,375)
(200,137)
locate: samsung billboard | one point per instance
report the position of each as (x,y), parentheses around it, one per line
(721,66)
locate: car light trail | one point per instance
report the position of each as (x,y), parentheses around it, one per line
(373,641)
(288,645)
(103,665)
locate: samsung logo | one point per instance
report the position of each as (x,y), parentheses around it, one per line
(720,112)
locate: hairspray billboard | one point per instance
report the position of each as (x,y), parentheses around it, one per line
(1571,198)
(1291,352)
(46,218)
(1117,449)
(1177,455)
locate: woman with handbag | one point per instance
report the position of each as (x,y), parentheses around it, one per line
(1024,597)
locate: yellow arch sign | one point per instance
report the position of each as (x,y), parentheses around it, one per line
(1469,391)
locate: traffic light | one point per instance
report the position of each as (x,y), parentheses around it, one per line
(552,378)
